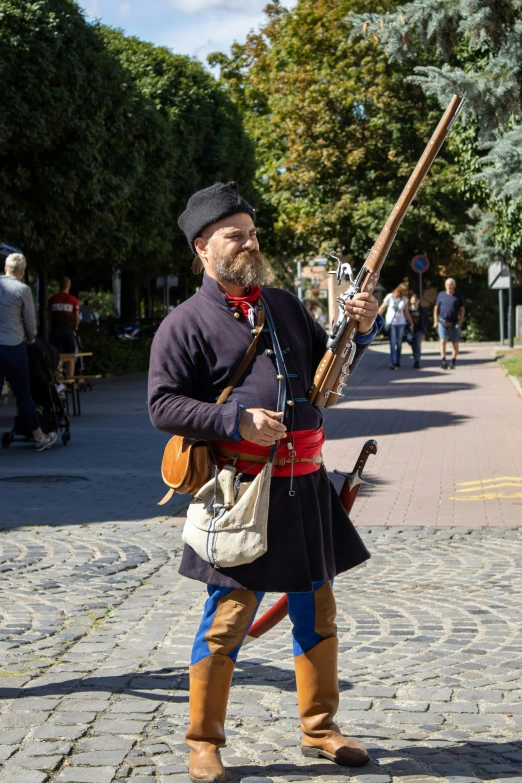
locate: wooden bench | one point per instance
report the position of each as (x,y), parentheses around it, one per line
(72,385)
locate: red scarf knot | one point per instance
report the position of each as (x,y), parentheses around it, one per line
(243,303)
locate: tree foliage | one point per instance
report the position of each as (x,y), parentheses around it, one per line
(62,176)
(480,42)
(338,131)
(204,139)
(103,139)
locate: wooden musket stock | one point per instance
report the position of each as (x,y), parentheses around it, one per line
(332,373)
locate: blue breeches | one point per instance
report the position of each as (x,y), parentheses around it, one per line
(229,613)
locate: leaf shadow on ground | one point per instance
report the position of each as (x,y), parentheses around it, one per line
(155,684)
(455,759)
(341,424)
(399,387)
(463,761)
(374,482)
(433,360)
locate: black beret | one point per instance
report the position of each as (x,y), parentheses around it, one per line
(210,205)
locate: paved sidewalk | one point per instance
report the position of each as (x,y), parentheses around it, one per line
(450,450)
(108,472)
(96,625)
(450,442)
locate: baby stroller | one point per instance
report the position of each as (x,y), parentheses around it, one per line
(43,361)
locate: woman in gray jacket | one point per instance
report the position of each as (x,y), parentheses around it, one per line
(18,329)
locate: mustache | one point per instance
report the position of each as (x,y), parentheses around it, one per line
(249,255)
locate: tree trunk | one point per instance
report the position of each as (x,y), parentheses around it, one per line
(43,323)
(130,297)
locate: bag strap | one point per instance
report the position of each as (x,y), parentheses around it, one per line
(247,358)
(281,373)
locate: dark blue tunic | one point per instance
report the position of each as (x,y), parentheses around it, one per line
(194,353)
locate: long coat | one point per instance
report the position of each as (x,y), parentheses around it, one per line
(196,348)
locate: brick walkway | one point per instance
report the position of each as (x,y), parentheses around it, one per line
(445,440)
(96,625)
(450,443)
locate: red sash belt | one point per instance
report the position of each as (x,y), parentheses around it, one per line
(249,458)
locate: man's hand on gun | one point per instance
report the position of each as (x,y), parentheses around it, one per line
(362,308)
(261,426)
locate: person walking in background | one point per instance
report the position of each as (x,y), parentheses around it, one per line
(448,315)
(419,317)
(396,318)
(87,314)
(64,314)
(18,329)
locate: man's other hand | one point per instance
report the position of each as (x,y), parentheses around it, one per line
(362,308)
(260,426)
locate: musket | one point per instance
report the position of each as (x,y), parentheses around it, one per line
(349,491)
(333,370)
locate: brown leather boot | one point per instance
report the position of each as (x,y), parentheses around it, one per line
(210,681)
(318,699)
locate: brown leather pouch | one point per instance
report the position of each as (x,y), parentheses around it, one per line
(186,465)
(187,462)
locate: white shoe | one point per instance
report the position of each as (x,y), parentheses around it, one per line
(46,441)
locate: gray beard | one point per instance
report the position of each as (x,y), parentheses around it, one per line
(246,269)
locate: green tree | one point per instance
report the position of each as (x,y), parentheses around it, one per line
(202,141)
(103,139)
(480,43)
(206,141)
(337,132)
(63,177)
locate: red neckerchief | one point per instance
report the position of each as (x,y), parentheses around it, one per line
(243,302)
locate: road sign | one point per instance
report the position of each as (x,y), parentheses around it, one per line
(172,281)
(498,276)
(420,264)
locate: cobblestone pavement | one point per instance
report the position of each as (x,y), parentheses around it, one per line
(96,634)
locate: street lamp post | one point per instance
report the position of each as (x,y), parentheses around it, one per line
(510,310)
(501,314)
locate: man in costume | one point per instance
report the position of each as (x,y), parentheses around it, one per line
(310,537)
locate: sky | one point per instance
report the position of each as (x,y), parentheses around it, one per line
(193,27)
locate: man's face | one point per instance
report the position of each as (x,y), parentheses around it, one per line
(231,251)
(450,287)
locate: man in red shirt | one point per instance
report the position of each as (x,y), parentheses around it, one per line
(64,314)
